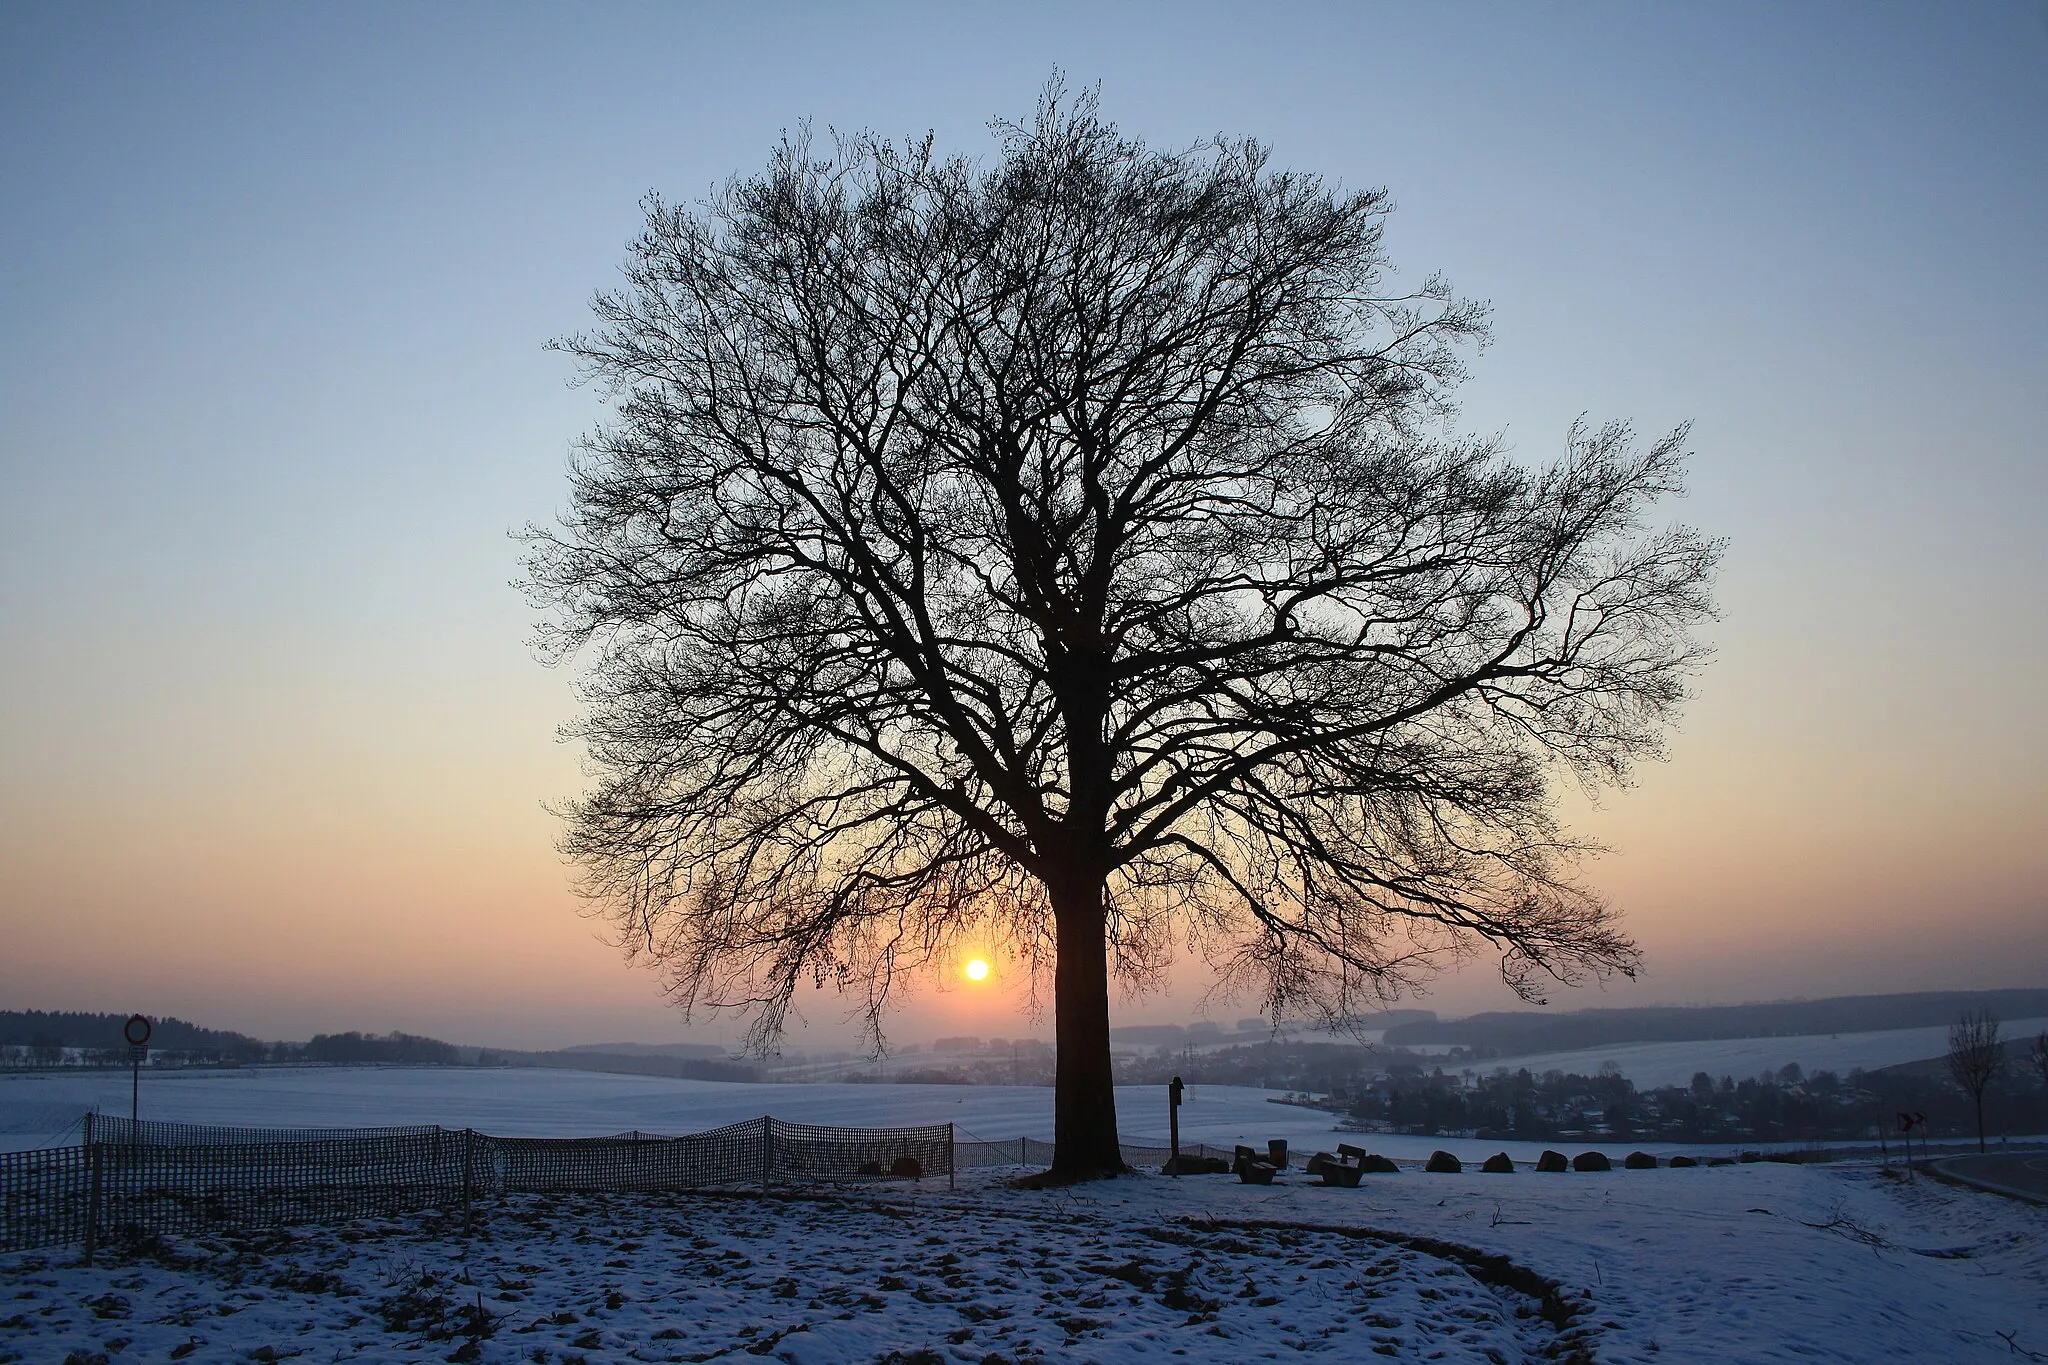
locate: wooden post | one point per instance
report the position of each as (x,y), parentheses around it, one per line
(951,1161)
(767,1153)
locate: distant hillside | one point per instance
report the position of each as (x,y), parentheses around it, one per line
(71,1028)
(1208,1031)
(628,1063)
(1522,1034)
(653,1049)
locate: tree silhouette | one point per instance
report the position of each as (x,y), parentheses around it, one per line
(1973,1058)
(1067,554)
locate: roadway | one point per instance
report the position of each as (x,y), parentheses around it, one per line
(2022,1175)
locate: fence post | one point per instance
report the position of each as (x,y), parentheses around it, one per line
(951,1160)
(92,1191)
(767,1152)
(1023,1153)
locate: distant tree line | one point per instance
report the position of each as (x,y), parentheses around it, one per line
(43,1038)
(1518,1033)
(360,1048)
(1408,1093)
(39,1038)
(1787,1106)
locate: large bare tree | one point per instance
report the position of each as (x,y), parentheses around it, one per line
(1069,553)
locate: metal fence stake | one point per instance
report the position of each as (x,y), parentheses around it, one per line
(92,1195)
(468,1175)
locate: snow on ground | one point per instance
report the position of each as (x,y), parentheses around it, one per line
(1739,1263)
(41,1108)
(1657,1064)
(1755,1262)
(806,1280)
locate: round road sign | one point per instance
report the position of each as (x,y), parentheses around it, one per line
(136,1030)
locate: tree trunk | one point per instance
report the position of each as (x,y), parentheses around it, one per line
(1980,1120)
(1084,1085)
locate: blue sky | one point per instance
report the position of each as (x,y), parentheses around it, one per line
(275,283)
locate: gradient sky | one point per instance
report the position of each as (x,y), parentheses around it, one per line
(275,282)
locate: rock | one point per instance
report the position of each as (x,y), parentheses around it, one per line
(1679,1161)
(907,1166)
(1552,1161)
(1500,1163)
(1592,1161)
(869,1168)
(1379,1165)
(1639,1161)
(1189,1164)
(1256,1172)
(1443,1163)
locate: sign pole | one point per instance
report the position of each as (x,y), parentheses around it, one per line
(137,1032)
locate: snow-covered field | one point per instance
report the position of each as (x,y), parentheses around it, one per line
(38,1109)
(1734,1263)
(1657,1064)
(1738,1263)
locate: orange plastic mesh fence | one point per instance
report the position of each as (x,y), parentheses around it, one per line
(190,1188)
(111,1128)
(43,1197)
(632,1161)
(181,1178)
(809,1153)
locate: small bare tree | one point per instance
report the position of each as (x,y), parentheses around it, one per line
(1057,554)
(1973,1058)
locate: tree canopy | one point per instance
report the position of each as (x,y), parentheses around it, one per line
(1072,553)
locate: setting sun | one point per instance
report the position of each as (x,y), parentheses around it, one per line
(977,970)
